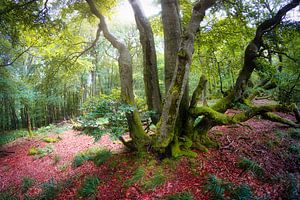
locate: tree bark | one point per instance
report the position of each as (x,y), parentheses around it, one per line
(166,125)
(152,90)
(172,38)
(137,133)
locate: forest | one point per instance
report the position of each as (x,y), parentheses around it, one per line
(150,99)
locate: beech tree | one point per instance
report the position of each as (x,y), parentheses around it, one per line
(182,124)
(179,47)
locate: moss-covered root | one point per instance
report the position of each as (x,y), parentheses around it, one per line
(182,148)
(202,142)
(275,118)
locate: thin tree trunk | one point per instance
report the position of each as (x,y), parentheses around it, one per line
(125,69)
(26,110)
(149,61)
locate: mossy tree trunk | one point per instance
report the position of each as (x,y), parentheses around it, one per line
(202,119)
(166,127)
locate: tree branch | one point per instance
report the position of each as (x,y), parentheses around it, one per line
(16,58)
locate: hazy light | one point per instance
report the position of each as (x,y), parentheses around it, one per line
(124,13)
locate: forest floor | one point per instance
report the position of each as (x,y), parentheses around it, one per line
(272,149)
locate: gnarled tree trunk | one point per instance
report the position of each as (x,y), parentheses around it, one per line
(166,125)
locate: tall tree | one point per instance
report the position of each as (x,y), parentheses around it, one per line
(152,91)
(139,138)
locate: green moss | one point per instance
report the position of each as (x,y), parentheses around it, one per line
(177,152)
(223,104)
(51,140)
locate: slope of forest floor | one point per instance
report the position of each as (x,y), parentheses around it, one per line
(272,149)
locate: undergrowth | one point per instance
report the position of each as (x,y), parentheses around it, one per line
(250,165)
(292,190)
(137,175)
(89,187)
(40,152)
(26,184)
(97,155)
(294,132)
(50,190)
(157,179)
(217,189)
(181,196)
(11,136)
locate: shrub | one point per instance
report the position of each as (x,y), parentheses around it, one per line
(26,184)
(181,196)
(292,189)
(249,165)
(8,196)
(89,187)
(56,159)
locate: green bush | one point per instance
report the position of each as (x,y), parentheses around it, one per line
(105,114)
(40,152)
(293,188)
(89,187)
(181,196)
(294,148)
(8,196)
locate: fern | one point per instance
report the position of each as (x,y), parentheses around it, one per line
(50,190)
(138,175)
(293,188)
(181,196)
(101,157)
(98,156)
(216,187)
(26,184)
(295,133)
(249,165)
(89,187)
(156,180)
(242,192)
